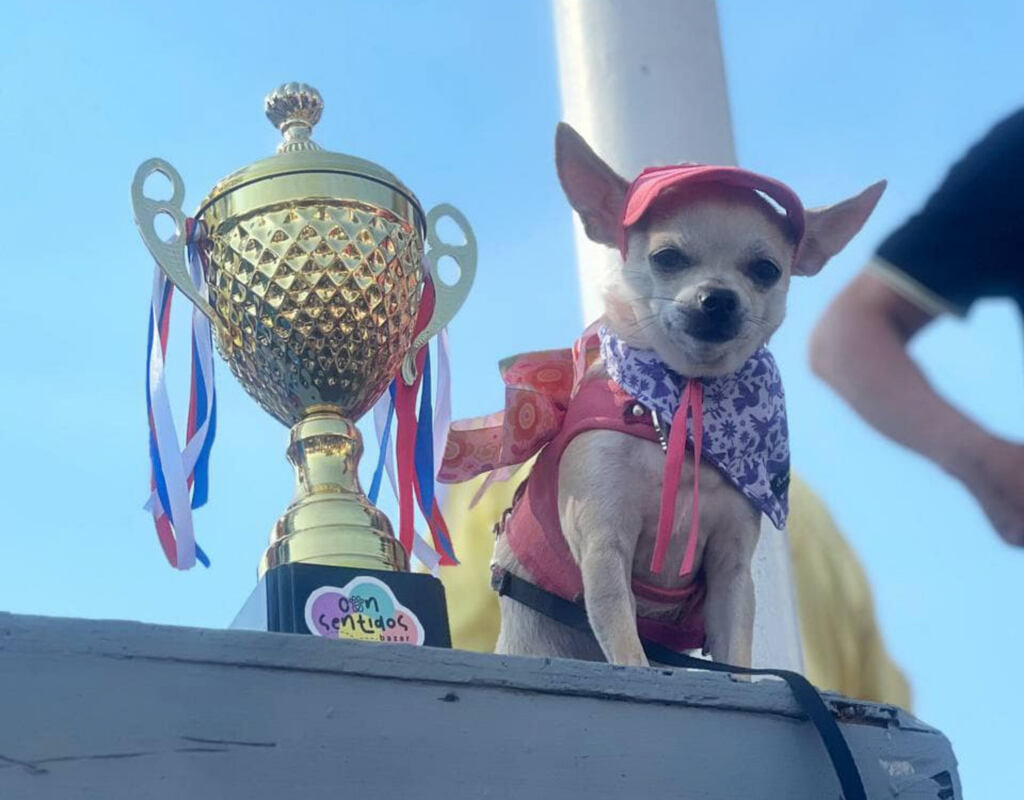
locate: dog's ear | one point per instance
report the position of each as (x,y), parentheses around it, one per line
(830,228)
(593,188)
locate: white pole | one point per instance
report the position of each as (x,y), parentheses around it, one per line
(644,83)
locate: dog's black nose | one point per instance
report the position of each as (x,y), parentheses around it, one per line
(718,302)
(715,316)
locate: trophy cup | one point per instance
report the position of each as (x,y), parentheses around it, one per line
(315,271)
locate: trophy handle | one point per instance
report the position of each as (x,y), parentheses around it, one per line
(169,254)
(449,297)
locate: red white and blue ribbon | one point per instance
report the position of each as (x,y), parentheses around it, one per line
(383,419)
(419,447)
(179,480)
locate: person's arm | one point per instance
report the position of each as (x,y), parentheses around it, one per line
(859,347)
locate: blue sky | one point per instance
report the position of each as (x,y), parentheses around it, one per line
(460,100)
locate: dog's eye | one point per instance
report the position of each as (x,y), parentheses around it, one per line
(670,259)
(763,272)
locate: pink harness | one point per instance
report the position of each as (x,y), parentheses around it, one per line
(548,404)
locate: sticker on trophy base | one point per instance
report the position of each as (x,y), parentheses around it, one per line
(364,609)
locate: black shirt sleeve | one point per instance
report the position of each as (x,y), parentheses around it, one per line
(968,240)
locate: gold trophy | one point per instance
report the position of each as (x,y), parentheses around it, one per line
(314,267)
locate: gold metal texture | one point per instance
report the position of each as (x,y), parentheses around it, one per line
(316,299)
(301,162)
(330,521)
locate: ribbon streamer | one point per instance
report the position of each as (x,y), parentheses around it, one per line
(383,414)
(419,443)
(179,479)
(414,447)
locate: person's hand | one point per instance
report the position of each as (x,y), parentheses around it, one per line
(994,473)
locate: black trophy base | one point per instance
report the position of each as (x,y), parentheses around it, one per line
(349,603)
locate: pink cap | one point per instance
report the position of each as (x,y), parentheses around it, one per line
(654,181)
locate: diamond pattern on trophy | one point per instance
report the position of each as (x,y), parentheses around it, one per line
(317,302)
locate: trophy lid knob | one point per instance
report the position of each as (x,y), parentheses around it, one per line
(294,108)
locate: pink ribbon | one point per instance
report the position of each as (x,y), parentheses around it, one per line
(537,391)
(692,400)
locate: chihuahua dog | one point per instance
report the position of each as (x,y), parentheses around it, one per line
(706,269)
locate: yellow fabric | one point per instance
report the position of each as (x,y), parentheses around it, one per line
(843,649)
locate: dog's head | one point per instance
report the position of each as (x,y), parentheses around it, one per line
(707,262)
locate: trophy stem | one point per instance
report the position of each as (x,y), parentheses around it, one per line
(330,521)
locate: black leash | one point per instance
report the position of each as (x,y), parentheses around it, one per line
(575,616)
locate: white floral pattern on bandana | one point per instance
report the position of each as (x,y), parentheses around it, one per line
(746,436)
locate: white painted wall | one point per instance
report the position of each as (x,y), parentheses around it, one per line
(644,83)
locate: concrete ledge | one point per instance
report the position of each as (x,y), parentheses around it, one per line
(127,710)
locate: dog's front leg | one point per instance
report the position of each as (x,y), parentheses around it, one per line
(729,607)
(611,607)
(602,526)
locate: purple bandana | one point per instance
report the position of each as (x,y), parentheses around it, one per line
(745,432)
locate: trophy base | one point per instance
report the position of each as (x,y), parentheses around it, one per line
(349,603)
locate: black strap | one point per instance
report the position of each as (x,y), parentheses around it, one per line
(574,616)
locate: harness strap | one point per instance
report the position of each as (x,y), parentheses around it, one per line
(811,703)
